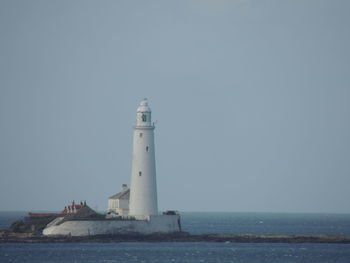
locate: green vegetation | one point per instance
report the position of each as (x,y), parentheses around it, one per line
(33,225)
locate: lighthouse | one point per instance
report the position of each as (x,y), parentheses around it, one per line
(143,188)
(134,209)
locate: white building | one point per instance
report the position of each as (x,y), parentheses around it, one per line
(141,198)
(143,188)
(118,204)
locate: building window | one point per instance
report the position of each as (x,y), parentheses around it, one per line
(144,117)
(140,173)
(140,134)
(146,148)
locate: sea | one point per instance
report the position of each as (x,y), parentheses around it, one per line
(201,223)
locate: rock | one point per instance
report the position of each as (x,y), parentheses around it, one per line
(9,236)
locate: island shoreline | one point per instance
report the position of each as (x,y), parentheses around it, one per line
(11,237)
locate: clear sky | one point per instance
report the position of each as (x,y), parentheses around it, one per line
(251,98)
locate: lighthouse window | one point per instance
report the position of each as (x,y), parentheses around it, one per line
(146,148)
(140,173)
(144,118)
(140,134)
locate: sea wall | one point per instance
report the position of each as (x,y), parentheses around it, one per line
(147,225)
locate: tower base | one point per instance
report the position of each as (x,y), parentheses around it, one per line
(137,225)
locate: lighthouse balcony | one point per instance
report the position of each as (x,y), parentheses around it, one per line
(145,127)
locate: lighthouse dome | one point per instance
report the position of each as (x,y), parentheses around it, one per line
(144,106)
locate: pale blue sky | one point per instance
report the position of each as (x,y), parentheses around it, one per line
(252,100)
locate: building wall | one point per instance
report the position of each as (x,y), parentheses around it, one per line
(149,225)
(112,204)
(119,206)
(124,203)
(143,190)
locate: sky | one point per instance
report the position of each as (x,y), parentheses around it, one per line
(250,98)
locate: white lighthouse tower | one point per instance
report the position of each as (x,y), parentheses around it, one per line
(143,189)
(134,209)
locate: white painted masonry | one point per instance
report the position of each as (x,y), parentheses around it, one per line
(118,204)
(143,189)
(144,225)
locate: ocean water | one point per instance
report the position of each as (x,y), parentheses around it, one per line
(266,223)
(199,223)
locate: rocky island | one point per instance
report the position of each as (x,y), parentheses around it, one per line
(7,236)
(29,230)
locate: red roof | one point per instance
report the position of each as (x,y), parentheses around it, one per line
(67,210)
